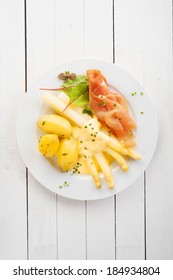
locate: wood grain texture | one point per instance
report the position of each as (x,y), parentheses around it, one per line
(70,214)
(130,204)
(40,58)
(158,80)
(100,214)
(12,170)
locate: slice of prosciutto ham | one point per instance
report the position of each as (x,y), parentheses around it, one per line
(111,108)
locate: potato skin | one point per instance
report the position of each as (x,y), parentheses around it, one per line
(48,145)
(56,125)
(68,152)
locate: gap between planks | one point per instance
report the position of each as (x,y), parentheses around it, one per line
(27,208)
(113,60)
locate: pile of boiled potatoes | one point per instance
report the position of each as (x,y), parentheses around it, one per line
(58,141)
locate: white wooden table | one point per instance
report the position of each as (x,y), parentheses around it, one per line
(35,35)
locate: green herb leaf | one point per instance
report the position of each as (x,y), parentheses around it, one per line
(87,110)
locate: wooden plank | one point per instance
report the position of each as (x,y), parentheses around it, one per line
(99,44)
(158,80)
(12,170)
(40,58)
(130,223)
(70,214)
(130,204)
(71,229)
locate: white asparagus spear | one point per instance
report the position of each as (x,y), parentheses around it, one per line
(93,170)
(133,154)
(112,142)
(105,169)
(59,106)
(119,158)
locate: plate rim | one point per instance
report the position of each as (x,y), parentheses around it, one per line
(96,61)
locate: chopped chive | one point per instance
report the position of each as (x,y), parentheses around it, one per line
(133,94)
(141,93)
(43,122)
(102,103)
(142,113)
(64,154)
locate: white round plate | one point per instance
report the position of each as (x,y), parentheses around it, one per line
(82,187)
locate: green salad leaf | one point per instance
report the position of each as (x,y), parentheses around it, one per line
(82,100)
(78,80)
(77,90)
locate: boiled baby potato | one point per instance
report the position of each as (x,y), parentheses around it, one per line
(48,145)
(68,152)
(55,124)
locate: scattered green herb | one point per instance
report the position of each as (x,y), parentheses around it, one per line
(76,168)
(65,154)
(141,93)
(65,184)
(87,110)
(142,113)
(43,122)
(102,103)
(133,94)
